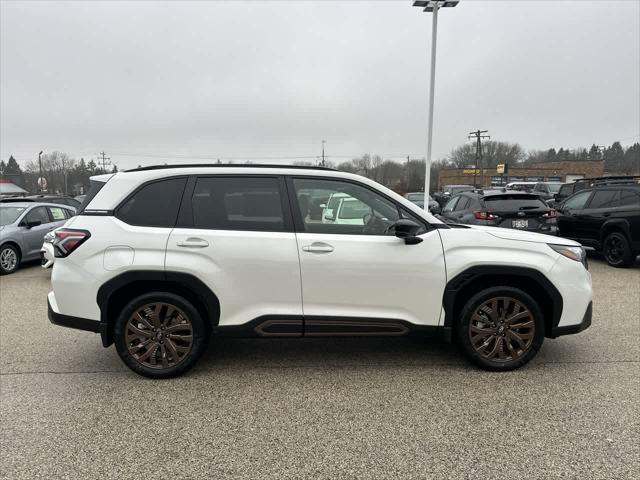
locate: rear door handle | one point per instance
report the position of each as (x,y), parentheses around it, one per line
(193,243)
(318,247)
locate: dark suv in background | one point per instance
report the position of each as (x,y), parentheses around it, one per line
(497,208)
(605,217)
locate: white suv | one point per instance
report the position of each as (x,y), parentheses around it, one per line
(161,258)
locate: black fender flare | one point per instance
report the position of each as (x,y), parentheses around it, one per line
(490,275)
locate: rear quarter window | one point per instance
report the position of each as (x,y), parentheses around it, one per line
(155,204)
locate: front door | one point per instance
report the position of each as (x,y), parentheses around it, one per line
(34,236)
(571,215)
(235,234)
(357,277)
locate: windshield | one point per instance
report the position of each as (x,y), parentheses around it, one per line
(554,187)
(513,202)
(8,215)
(415,196)
(460,189)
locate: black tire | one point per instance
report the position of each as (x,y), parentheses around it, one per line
(617,250)
(6,252)
(504,336)
(186,314)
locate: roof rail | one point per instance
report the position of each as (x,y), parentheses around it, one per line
(218,165)
(614,180)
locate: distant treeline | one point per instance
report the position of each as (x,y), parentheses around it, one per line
(68,175)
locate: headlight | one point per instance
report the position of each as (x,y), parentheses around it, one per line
(574,253)
(49,237)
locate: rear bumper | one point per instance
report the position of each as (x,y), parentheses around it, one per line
(71,322)
(571,329)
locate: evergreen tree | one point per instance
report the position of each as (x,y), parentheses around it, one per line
(2,167)
(551,155)
(12,167)
(594,153)
(614,158)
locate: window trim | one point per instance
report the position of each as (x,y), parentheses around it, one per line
(298,223)
(185,213)
(116,211)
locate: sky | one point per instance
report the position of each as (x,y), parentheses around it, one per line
(155,82)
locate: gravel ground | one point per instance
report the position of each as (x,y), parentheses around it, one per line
(321,408)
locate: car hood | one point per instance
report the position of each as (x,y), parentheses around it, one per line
(509,234)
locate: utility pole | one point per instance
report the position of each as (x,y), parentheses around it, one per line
(478,135)
(39,182)
(105,161)
(322,163)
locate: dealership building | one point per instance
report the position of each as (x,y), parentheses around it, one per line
(566,171)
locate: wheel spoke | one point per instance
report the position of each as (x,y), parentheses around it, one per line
(178,327)
(143,320)
(527,324)
(138,332)
(517,316)
(517,338)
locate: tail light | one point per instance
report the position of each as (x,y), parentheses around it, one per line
(550,214)
(68,240)
(484,215)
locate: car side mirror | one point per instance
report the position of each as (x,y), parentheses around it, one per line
(408,231)
(323,205)
(329,216)
(32,223)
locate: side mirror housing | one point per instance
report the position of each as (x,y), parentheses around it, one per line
(33,223)
(408,231)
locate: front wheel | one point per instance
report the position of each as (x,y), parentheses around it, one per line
(500,328)
(9,259)
(617,251)
(160,335)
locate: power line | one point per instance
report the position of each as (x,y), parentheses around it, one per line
(105,161)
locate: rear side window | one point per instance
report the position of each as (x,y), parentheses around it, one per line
(238,203)
(604,199)
(154,205)
(58,213)
(462,204)
(627,197)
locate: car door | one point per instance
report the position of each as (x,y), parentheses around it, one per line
(596,213)
(361,278)
(33,236)
(235,234)
(570,215)
(447,211)
(461,212)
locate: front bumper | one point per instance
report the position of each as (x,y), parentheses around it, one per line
(571,329)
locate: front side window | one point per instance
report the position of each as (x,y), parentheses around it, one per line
(238,203)
(451,204)
(154,205)
(578,201)
(351,209)
(38,214)
(462,204)
(627,197)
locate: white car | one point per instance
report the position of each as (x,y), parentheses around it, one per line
(163,257)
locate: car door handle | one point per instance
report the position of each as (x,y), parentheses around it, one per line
(318,247)
(606,214)
(193,243)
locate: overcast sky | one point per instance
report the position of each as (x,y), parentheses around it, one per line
(165,81)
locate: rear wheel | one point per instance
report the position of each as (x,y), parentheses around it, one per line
(160,335)
(9,259)
(500,328)
(617,251)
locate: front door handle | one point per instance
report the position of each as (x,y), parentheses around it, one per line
(193,243)
(318,247)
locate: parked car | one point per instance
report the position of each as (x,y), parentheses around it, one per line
(23,226)
(568,189)
(521,186)
(607,218)
(449,191)
(46,198)
(508,209)
(163,257)
(418,199)
(547,191)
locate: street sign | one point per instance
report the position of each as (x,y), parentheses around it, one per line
(42,183)
(500,168)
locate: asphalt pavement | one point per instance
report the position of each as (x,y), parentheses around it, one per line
(320,408)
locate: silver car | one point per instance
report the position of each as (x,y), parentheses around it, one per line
(23,226)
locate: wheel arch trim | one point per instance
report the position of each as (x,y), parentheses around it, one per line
(476,273)
(206,299)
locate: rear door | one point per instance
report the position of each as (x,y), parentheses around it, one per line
(235,234)
(359,278)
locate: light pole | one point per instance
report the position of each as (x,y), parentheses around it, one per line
(432,6)
(40,163)
(323,142)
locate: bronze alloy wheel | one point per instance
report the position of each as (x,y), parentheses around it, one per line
(502,329)
(159,335)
